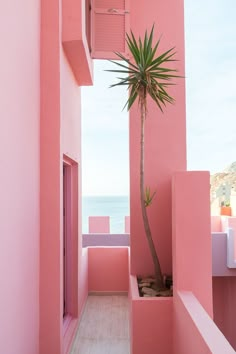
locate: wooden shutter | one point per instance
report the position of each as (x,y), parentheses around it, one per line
(109,23)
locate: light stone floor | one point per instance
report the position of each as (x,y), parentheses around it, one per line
(104,328)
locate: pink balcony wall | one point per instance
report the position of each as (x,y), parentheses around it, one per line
(165,138)
(195,332)
(19,187)
(224,286)
(108,269)
(224,301)
(99,224)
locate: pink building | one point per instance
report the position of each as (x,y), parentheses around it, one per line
(45,273)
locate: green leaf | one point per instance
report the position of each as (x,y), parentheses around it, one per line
(148,197)
(146,73)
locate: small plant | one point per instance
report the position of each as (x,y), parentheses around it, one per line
(225,204)
(148,196)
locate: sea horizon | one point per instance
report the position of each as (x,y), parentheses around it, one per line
(115,206)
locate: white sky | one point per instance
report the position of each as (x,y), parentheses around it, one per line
(210,31)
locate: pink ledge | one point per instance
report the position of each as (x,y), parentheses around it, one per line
(151,322)
(75,42)
(195,332)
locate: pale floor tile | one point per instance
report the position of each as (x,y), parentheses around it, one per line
(104,328)
(101,346)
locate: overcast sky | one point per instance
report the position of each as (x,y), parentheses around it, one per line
(210,40)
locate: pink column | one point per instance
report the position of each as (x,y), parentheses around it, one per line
(165,138)
(192,261)
(50,332)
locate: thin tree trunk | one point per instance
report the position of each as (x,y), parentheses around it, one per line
(157,267)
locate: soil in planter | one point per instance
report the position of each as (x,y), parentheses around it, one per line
(148,288)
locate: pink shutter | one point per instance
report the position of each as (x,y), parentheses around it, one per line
(110,22)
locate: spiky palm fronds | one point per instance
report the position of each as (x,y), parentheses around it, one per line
(146,74)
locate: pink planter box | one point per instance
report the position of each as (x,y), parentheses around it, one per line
(151,322)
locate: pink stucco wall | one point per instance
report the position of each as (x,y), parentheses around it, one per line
(50,184)
(60,140)
(216,223)
(195,332)
(108,269)
(99,224)
(127,224)
(165,139)
(192,248)
(83,281)
(224,301)
(71,147)
(219,256)
(19,187)
(188,339)
(229,222)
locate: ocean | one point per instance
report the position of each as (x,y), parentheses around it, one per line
(117,207)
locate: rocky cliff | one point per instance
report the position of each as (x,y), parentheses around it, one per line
(223,184)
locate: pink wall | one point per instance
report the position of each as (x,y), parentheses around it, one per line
(195,332)
(19,188)
(165,139)
(70,332)
(192,262)
(216,223)
(224,302)
(60,139)
(99,224)
(50,186)
(83,281)
(187,336)
(127,224)
(108,269)
(229,222)
(70,111)
(75,41)
(219,256)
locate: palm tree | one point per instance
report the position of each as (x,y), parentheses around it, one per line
(147,75)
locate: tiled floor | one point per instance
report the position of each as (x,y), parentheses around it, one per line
(104,328)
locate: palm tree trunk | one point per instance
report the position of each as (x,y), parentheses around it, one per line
(157,267)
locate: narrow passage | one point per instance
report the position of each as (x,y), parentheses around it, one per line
(104,328)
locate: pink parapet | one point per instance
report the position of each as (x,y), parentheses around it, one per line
(99,224)
(127,224)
